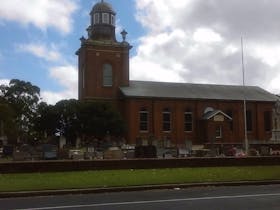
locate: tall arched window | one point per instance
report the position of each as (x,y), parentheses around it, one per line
(143,120)
(166,120)
(107,75)
(188,120)
(249,120)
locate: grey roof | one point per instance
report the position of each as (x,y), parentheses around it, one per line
(147,89)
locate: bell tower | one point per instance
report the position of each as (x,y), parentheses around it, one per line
(103,62)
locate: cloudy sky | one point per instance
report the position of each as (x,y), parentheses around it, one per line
(195,41)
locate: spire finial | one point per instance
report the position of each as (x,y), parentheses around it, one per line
(124,33)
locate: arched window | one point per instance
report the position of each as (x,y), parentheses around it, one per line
(267,121)
(96,18)
(249,120)
(107,75)
(166,120)
(113,21)
(188,120)
(143,120)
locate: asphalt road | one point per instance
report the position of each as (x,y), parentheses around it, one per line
(217,198)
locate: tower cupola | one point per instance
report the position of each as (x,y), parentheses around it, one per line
(103,19)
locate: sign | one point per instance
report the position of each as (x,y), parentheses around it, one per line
(219,118)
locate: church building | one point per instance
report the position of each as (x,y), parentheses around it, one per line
(178,113)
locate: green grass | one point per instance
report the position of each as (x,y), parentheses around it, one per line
(113,178)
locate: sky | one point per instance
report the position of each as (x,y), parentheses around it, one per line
(193,41)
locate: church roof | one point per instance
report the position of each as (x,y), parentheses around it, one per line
(147,89)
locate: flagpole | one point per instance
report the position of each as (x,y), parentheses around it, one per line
(244,101)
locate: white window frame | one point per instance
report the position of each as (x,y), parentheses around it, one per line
(96,18)
(105,18)
(220,132)
(144,111)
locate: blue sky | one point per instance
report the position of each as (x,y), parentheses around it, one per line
(28,50)
(194,41)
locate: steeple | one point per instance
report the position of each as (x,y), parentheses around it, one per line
(103,61)
(102,22)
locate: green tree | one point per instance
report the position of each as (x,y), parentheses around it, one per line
(47,120)
(67,121)
(23,98)
(87,118)
(7,121)
(99,119)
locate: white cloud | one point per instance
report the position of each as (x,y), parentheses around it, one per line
(40,13)
(49,53)
(156,71)
(199,41)
(206,35)
(274,84)
(4,81)
(53,97)
(67,77)
(270,55)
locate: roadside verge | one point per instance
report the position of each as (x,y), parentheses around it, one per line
(132,188)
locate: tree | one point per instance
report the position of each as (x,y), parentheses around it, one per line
(67,121)
(86,119)
(99,119)
(7,120)
(46,122)
(23,98)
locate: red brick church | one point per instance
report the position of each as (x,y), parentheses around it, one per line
(174,112)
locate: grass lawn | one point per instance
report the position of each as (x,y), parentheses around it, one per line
(113,178)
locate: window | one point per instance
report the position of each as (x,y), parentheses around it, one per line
(105,18)
(107,75)
(249,120)
(267,121)
(188,121)
(166,120)
(218,132)
(144,119)
(113,20)
(229,113)
(96,18)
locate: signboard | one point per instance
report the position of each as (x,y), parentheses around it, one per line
(219,118)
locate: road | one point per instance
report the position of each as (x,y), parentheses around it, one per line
(218,198)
